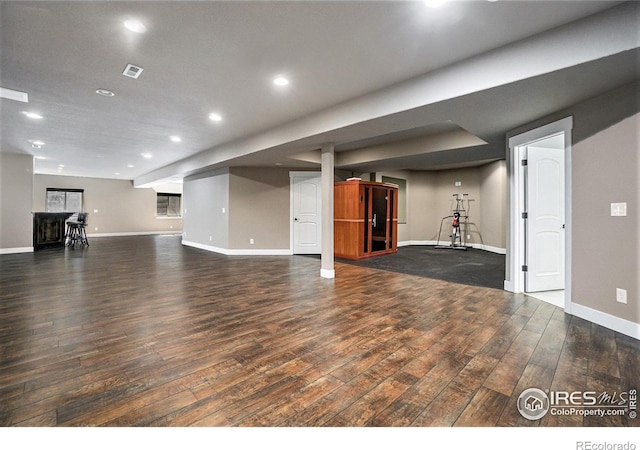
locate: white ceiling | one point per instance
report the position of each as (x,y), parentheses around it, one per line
(205,56)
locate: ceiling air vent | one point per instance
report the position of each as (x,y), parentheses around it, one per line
(132,71)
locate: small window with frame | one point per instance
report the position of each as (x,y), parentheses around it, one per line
(168,205)
(64,200)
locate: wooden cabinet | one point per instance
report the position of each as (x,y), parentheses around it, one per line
(365,219)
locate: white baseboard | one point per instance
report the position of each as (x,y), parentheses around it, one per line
(614,323)
(489,248)
(509,286)
(327,273)
(407,243)
(133,233)
(7,251)
(241,251)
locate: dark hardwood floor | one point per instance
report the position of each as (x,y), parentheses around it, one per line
(140,331)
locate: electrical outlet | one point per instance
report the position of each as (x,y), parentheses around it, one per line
(224,210)
(95,211)
(618,209)
(468,236)
(621,295)
(251,241)
(171,227)
(95,228)
(458,183)
(210,238)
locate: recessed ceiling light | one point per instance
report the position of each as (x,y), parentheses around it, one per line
(40,157)
(146,155)
(105,92)
(280,81)
(32,115)
(135,25)
(215,117)
(278,164)
(175,138)
(117,173)
(129,166)
(40,143)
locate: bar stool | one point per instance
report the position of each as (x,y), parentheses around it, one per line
(76,233)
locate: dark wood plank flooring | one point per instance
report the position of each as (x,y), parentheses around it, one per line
(140,331)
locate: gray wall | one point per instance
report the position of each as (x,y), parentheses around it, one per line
(494,212)
(422,188)
(206,209)
(121,207)
(430,198)
(605,250)
(259,203)
(256,206)
(604,169)
(16,196)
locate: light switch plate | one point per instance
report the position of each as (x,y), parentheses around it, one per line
(621,295)
(618,209)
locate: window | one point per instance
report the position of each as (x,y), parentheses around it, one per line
(168,205)
(64,200)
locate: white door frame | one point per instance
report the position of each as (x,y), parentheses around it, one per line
(292,175)
(515,247)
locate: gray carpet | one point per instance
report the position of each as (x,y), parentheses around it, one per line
(473,267)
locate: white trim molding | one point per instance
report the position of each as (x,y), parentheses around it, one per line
(515,243)
(488,248)
(327,273)
(134,233)
(614,323)
(408,243)
(240,251)
(8,251)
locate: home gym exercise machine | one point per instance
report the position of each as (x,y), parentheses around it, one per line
(459,220)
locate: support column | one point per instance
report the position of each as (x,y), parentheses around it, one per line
(327,178)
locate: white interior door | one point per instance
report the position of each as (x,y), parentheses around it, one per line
(544,202)
(307,214)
